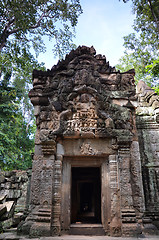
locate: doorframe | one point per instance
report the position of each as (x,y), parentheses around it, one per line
(78,179)
(84,161)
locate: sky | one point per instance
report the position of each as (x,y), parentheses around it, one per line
(102,24)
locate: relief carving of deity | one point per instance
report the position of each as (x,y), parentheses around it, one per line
(85,116)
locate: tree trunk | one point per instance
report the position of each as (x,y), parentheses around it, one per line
(154,15)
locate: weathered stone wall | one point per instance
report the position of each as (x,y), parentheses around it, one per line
(88,114)
(148,133)
(83,107)
(14,197)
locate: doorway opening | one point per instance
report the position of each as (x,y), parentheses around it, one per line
(86,195)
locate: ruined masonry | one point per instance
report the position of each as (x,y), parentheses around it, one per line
(96,162)
(14,197)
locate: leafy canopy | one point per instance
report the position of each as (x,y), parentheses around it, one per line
(142,46)
(23,26)
(16,138)
(28,21)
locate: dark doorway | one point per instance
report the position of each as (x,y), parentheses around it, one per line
(86,195)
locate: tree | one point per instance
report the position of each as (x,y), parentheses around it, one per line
(16,141)
(142,46)
(23,24)
(127,62)
(22,27)
(27,21)
(147,12)
(16,113)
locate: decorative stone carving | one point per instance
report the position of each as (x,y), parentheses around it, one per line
(147,96)
(49,148)
(86,149)
(87,109)
(84,117)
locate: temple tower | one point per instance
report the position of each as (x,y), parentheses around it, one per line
(87,165)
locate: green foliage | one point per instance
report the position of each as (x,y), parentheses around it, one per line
(62,42)
(16,113)
(147,17)
(142,47)
(23,24)
(153,68)
(16,71)
(127,62)
(16,143)
(28,21)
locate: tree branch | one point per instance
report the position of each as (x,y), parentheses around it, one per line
(5,34)
(44,14)
(153,15)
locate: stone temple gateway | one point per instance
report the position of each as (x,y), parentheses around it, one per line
(96,162)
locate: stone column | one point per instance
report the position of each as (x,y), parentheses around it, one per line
(105,196)
(41,189)
(128,215)
(136,179)
(66,197)
(115,224)
(56,193)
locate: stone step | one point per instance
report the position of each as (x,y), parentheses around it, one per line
(128,211)
(45,210)
(87,229)
(42,214)
(128,216)
(11,230)
(129,220)
(9,236)
(41,219)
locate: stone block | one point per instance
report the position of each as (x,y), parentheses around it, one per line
(7,185)
(3,209)
(2,198)
(10,209)
(7,223)
(14,179)
(40,229)
(14,186)
(2,178)
(8,174)
(130,230)
(14,194)
(24,228)
(4,192)
(17,218)
(36,110)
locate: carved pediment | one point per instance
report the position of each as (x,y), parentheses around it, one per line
(75,97)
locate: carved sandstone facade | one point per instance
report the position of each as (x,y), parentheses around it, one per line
(96,149)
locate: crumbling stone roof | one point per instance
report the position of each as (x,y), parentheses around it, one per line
(74,57)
